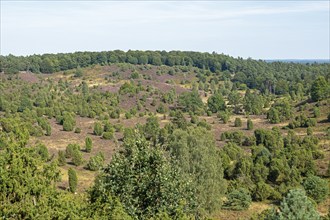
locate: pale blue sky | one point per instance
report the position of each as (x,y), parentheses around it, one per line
(257,29)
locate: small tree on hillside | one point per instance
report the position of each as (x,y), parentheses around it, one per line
(61,158)
(238,122)
(316,188)
(294,206)
(73,180)
(249,124)
(98,129)
(239,199)
(88,144)
(77,157)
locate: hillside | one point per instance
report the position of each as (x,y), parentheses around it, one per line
(233,137)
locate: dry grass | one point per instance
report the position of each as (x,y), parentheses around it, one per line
(255,208)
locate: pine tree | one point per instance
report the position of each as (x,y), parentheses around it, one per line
(61,158)
(73,180)
(77,157)
(249,124)
(88,144)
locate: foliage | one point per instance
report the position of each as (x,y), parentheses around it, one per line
(73,180)
(69,151)
(320,89)
(108,135)
(199,158)
(98,128)
(316,188)
(88,144)
(95,162)
(238,122)
(239,199)
(144,180)
(294,206)
(249,124)
(216,103)
(61,158)
(68,122)
(190,101)
(77,157)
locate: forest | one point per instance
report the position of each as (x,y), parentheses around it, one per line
(163,135)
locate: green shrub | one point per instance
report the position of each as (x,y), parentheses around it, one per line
(316,112)
(294,206)
(96,162)
(316,188)
(88,144)
(249,124)
(61,158)
(239,199)
(77,159)
(73,180)
(98,129)
(77,130)
(43,152)
(108,135)
(238,122)
(69,150)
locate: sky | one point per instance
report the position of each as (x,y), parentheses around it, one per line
(256,29)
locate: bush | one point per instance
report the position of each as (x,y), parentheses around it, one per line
(73,180)
(70,149)
(309,131)
(68,122)
(61,158)
(96,162)
(316,112)
(238,122)
(316,188)
(295,205)
(224,116)
(77,130)
(98,129)
(77,157)
(108,135)
(128,115)
(249,124)
(43,152)
(239,199)
(88,144)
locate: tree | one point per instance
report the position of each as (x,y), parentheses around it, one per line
(77,157)
(234,99)
(73,180)
(295,206)
(68,122)
(98,128)
(88,144)
(238,122)
(224,116)
(249,124)
(273,116)
(216,103)
(70,150)
(319,89)
(144,180)
(108,135)
(190,101)
(151,128)
(316,188)
(61,158)
(199,158)
(239,199)
(95,162)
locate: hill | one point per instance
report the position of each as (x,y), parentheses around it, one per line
(233,137)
